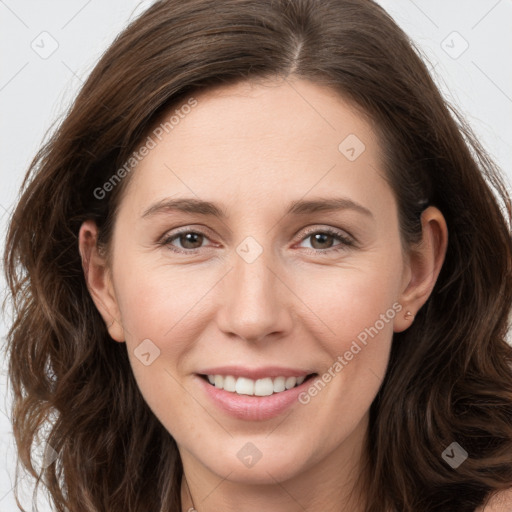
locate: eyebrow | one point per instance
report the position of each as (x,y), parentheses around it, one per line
(299,207)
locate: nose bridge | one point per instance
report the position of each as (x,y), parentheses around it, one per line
(251,269)
(255,305)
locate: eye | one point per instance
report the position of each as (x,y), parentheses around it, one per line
(322,240)
(190,241)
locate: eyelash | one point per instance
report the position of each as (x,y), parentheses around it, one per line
(345,241)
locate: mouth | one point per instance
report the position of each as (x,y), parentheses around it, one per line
(254,394)
(265,386)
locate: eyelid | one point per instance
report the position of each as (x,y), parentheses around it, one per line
(319,228)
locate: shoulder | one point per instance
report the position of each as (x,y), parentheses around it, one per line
(500,502)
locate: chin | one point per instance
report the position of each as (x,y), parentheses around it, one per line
(269,469)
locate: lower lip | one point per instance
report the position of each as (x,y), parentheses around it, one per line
(253,408)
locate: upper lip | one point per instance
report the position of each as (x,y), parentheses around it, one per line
(255,373)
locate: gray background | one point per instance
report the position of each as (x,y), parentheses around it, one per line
(48,48)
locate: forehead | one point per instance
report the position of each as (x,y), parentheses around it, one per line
(259,138)
(278,109)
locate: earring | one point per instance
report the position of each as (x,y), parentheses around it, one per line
(409,315)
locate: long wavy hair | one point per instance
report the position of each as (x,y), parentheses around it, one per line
(449,377)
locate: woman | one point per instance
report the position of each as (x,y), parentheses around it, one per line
(251,371)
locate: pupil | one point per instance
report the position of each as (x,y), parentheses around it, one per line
(189,239)
(322,237)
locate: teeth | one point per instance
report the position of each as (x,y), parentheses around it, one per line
(260,387)
(243,386)
(290,382)
(230,383)
(263,387)
(279,384)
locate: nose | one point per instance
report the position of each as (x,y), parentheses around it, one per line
(256,303)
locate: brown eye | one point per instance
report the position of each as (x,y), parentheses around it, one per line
(188,241)
(321,240)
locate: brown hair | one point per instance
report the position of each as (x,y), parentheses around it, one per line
(450,374)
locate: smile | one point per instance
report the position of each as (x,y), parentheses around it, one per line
(253,395)
(261,387)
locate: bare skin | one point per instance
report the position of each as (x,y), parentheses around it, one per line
(301,303)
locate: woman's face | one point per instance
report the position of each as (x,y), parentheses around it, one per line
(293,268)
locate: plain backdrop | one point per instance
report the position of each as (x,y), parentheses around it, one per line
(48,48)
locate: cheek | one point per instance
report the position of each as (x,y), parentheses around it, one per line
(159,314)
(157,307)
(358,311)
(353,322)
(158,301)
(349,300)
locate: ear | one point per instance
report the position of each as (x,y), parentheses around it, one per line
(425,260)
(98,279)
